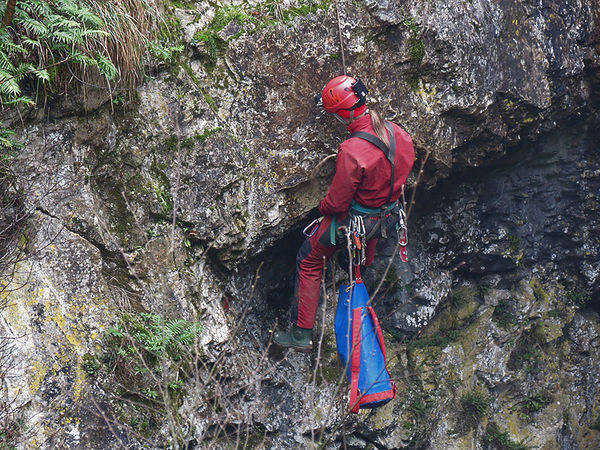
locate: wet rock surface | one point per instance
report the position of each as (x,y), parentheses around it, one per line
(492,327)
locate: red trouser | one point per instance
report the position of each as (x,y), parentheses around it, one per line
(310,260)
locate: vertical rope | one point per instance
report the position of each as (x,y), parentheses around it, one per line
(339,24)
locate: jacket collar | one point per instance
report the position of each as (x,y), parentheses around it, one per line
(361,124)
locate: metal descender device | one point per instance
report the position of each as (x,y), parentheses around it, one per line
(402,234)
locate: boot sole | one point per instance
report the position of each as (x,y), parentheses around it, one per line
(293,347)
(302,349)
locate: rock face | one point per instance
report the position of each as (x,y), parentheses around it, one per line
(492,326)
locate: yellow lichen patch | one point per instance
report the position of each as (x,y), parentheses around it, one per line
(38,372)
(80,381)
(514,427)
(538,292)
(17,316)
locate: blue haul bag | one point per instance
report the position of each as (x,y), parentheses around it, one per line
(361,349)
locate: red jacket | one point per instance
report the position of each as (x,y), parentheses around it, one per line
(363,171)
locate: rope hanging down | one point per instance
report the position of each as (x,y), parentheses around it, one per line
(339,25)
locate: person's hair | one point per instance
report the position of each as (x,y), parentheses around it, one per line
(379,127)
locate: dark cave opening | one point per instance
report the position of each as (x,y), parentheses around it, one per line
(277,277)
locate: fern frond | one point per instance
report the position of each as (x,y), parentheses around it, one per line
(94,32)
(11,47)
(32,7)
(5,62)
(9,86)
(7,141)
(41,74)
(21,70)
(34,26)
(31,42)
(66,24)
(20,100)
(81,12)
(67,37)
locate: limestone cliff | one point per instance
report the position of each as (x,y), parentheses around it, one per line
(158,211)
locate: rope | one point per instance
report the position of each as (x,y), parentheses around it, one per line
(337,12)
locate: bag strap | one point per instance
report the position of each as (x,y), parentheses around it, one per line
(390,152)
(382,343)
(355,359)
(379,332)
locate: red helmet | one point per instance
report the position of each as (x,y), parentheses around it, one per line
(345,96)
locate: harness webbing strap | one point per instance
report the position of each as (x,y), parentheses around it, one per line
(390,152)
(371,211)
(392,157)
(333,228)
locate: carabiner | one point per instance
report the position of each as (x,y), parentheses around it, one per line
(315,224)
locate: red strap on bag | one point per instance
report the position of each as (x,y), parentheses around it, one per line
(379,332)
(382,343)
(355,361)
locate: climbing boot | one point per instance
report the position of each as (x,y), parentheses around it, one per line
(297,338)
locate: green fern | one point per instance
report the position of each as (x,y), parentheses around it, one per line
(7,142)
(44,35)
(106,67)
(162,337)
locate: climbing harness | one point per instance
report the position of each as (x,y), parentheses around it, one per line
(383,212)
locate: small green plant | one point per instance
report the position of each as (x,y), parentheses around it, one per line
(527,354)
(159,336)
(500,440)
(392,280)
(150,393)
(457,298)
(538,291)
(90,365)
(306,7)
(483,289)
(514,244)
(214,43)
(556,313)
(438,339)
(596,424)
(535,403)
(474,406)
(41,37)
(12,427)
(7,143)
(417,49)
(207,133)
(418,409)
(502,315)
(165,52)
(416,45)
(143,339)
(413,82)
(532,359)
(578,297)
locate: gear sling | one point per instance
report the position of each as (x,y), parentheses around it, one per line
(360,342)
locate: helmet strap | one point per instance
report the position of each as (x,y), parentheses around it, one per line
(341,119)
